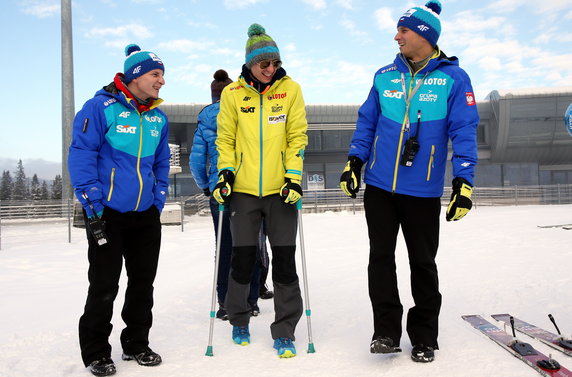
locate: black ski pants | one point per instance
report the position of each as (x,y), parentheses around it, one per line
(135,237)
(280,223)
(419,221)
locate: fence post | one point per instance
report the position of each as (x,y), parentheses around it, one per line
(69,212)
(182,213)
(515,195)
(0,225)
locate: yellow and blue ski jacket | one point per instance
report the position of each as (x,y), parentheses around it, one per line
(261,136)
(439,108)
(119,157)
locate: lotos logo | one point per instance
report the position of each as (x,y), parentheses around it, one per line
(277,119)
(392,94)
(470,98)
(109,102)
(153,119)
(247,109)
(126,129)
(423,27)
(277,96)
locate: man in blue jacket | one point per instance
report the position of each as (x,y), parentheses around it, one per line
(416,105)
(119,166)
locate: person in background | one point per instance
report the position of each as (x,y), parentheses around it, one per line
(202,163)
(261,139)
(119,165)
(568,119)
(416,105)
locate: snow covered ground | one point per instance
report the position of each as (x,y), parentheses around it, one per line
(495,260)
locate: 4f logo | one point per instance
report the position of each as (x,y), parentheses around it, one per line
(246,98)
(423,27)
(137,70)
(247,109)
(124,114)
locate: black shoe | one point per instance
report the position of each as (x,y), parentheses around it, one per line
(381,344)
(254,310)
(146,358)
(422,353)
(265,294)
(102,367)
(222,314)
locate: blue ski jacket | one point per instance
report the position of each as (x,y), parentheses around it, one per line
(204,150)
(119,158)
(439,107)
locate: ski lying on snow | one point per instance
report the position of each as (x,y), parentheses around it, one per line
(543,364)
(555,341)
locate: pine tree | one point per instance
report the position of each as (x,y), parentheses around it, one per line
(6,186)
(35,189)
(57,187)
(20,190)
(44,192)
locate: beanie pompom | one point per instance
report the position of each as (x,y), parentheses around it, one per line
(434,5)
(220,75)
(255,29)
(131,48)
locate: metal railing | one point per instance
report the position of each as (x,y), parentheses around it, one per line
(314,201)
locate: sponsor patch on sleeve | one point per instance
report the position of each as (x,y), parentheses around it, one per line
(470,98)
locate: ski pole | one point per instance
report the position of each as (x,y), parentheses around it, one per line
(215,280)
(311,348)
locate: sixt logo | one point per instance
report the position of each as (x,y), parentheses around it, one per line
(247,109)
(126,129)
(423,27)
(392,93)
(277,119)
(277,96)
(124,114)
(247,98)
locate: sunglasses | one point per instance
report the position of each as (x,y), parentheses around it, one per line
(266,63)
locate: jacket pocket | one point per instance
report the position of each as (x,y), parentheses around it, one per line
(430,164)
(111,182)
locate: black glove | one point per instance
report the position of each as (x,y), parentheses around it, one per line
(96,227)
(461,201)
(207,192)
(223,188)
(291,191)
(351,176)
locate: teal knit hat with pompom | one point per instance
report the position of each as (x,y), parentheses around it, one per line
(259,46)
(139,62)
(424,21)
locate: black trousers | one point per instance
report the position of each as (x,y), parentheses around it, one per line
(419,221)
(135,237)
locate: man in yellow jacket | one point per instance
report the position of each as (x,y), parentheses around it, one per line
(260,140)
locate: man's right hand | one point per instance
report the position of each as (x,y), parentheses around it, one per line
(351,177)
(223,188)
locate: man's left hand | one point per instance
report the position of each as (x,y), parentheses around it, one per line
(291,191)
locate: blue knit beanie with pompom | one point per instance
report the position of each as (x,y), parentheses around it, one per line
(139,62)
(424,21)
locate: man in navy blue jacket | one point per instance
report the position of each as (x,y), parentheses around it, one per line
(119,166)
(416,105)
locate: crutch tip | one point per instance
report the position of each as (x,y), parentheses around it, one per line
(311,348)
(209,351)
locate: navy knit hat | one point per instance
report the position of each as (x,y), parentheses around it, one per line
(259,46)
(220,81)
(424,21)
(139,62)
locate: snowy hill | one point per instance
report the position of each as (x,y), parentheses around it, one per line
(495,260)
